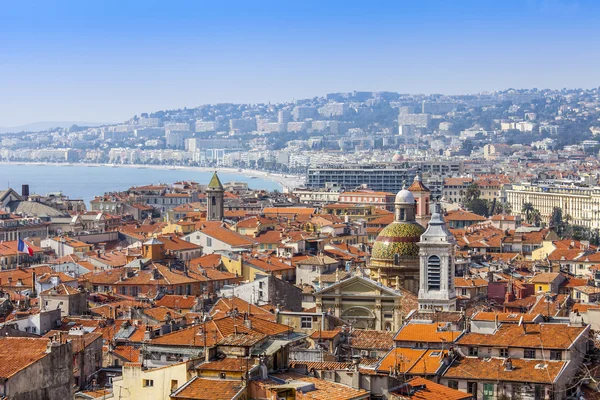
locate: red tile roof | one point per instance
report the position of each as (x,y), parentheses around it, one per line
(19,353)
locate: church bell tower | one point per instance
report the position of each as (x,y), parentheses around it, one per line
(214,199)
(436,257)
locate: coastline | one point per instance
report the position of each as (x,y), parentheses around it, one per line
(287,182)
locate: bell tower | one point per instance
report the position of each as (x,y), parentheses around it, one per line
(214,199)
(423,197)
(436,257)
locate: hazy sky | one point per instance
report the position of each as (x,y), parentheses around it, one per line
(107,60)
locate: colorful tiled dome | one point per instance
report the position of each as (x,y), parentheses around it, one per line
(398,238)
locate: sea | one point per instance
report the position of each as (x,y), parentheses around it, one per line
(85,181)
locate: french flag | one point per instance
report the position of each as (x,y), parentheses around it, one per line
(24,248)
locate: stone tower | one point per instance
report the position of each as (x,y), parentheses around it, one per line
(436,256)
(423,197)
(214,199)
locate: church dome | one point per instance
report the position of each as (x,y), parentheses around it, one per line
(398,238)
(405,197)
(397,157)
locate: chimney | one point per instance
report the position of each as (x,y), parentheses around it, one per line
(247,322)
(32,282)
(25,191)
(508,365)
(148,333)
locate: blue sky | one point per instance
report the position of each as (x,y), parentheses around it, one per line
(104,61)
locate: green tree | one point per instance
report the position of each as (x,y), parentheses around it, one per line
(527,210)
(556,220)
(535,217)
(479,206)
(472,193)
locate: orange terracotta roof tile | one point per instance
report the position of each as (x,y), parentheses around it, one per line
(550,336)
(19,353)
(423,389)
(176,301)
(316,335)
(411,361)
(227,364)
(503,317)
(128,353)
(324,390)
(426,333)
(229,237)
(209,389)
(367,339)
(493,369)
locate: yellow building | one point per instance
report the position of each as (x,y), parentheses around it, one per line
(232,263)
(151,384)
(541,253)
(547,282)
(180,227)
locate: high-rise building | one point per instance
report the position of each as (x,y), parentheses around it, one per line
(284,116)
(434,107)
(304,112)
(384,177)
(418,120)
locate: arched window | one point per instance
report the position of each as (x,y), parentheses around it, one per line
(433,273)
(214,201)
(396,259)
(402,214)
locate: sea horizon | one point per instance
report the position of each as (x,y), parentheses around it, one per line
(44,178)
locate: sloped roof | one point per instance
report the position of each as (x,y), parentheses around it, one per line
(215,182)
(19,353)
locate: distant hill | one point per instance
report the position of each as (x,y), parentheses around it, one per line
(45,125)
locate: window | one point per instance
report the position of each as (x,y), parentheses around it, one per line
(488,391)
(504,353)
(209,242)
(148,383)
(472,388)
(453,384)
(306,322)
(539,288)
(529,353)
(473,351)
(433,273)
(222,375)
(463,292)
(555,355)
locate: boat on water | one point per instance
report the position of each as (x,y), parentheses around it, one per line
(253,177)
(239,170)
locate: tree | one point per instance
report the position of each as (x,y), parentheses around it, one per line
(556,219)
(499,208)
(535,217)
(472,193)
(527,209)
(479,206)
